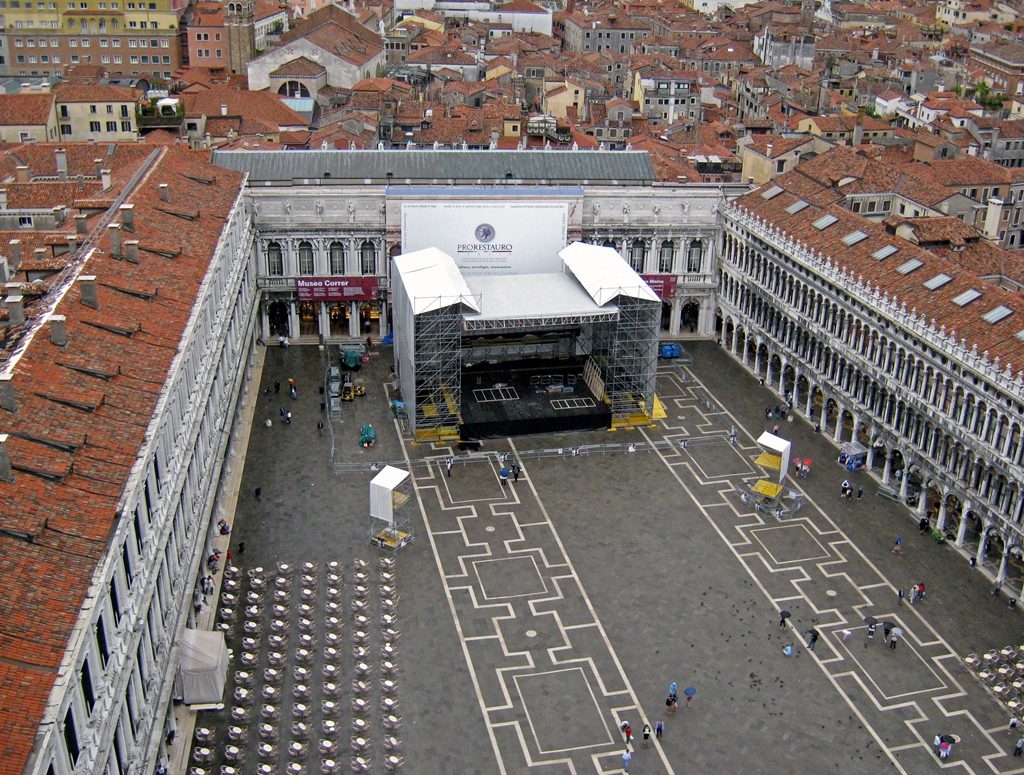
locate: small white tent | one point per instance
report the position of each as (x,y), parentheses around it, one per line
(385,495)
(203,667)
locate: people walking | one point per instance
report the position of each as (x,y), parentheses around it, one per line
(660,727)
(871,631)
(647,734)
(886,629)
(898,548)
(241,548)
(860,492)
(320,428)
(813,639)
(920,591)
(900,594)
(516,470)
(1019,748)
(913,592)
(277,386)
(626,758)
(1014,721)
(893,641)
(844,487)
(287,418)
(258,492)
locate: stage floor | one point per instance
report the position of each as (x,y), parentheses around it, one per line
(529,397)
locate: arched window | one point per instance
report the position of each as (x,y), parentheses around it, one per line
(637,255)
(293,89)
(695,258)
(610,244)
(337,258)
(305,258)
(667,257)
(275,263)
(367,258)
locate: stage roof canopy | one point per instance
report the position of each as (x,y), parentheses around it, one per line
(432,281)
(604,274)
(539,296)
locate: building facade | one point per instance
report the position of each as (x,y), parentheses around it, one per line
(883,343)
(340,231)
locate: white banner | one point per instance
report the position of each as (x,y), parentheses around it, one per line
(485,238)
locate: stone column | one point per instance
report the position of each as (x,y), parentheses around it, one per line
(673,322)
(887,469)
(940,523)
(979,556)
(324,317)
(353,319)
(293,319)
(1001,575)
(961,532)
(837,437)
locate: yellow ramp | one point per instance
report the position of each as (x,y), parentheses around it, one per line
(766,488)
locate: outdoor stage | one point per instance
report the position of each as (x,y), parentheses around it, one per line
(529,396)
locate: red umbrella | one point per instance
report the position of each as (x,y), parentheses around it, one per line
(798,460)
(807,462)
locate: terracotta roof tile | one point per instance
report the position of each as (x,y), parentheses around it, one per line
(25,109)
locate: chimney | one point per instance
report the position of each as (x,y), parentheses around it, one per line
(128,217)
(99,167)
(72,244)
(105,177)
(15,245)
(21,173)
(4,271)
(223,110)
(115,240)
(163,192)
(7,399)
(131,247)
(6,474)
(58,330)
(39,254)
(87,285)
(81,227)
(62,164)
(3,198)
(993,217)
(15,304)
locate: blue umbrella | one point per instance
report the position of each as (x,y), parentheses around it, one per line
(504,472)
(689,692)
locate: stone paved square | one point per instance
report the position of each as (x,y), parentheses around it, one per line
(647,572)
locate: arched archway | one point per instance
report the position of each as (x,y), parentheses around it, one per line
(690,316)
(277,318)
(369,319)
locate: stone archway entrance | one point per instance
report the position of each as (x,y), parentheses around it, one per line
(277,318)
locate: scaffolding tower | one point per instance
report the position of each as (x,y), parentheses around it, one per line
(626,352)
(438,384)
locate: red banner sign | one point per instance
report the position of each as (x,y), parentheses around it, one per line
(662,284)
(337,288)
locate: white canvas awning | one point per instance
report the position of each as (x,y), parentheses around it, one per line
(383,489)
(604,273)
(202,668)
(432,281)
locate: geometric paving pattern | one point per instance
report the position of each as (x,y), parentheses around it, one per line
(807,566)
(550,687)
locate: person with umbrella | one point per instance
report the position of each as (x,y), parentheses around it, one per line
(503,475)
(946,746)
(783,615)
(896,632)
(872,624)
(690,694)
(886,629)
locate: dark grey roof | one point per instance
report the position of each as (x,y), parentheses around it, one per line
(411,166)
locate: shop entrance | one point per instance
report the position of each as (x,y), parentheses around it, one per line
(309,318)
(339,320)
(369,320)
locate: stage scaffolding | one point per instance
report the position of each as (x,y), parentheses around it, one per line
(438,344)
(627,352)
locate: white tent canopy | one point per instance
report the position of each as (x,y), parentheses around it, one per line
(202,668)
(382,488)
(432,281)
(604,273)
(777,446)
